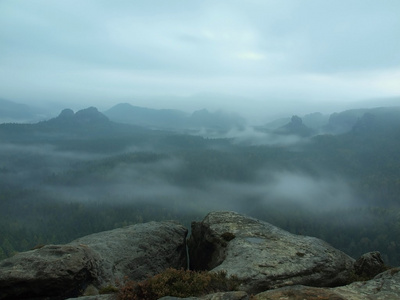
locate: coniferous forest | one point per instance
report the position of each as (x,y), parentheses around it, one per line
(80,173)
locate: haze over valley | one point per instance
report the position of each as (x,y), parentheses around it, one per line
(82,172)
(123,112)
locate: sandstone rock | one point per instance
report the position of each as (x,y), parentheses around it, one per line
(299,292)
(386,285)
(383,287)
(101,259)
(227,296)
(369,265)
(97,297)
(178,298)
(216,296)
(138,251)
(54,270)
(263,256)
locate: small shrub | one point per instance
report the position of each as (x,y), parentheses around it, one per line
(90,291)
(177,283)
(109,289)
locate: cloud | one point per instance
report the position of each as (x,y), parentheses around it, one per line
(316,193)
(57,175)
(97,51)
(251,56)
(252,137)
(154,183)
(29,165)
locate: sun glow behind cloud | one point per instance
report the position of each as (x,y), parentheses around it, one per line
(251,55)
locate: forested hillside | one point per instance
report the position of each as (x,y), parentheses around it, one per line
(81,173)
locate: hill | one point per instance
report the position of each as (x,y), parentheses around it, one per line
(168,119)
(85,130)
(15,112)
(146,117)
(295,127)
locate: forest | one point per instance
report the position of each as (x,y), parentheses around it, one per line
(81,173)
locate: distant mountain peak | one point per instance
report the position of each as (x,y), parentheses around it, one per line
(295,127)
(66,114)
(90,114)
(85,116)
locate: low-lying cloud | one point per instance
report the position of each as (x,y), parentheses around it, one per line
(253,137)
(80,177)
(27,165)
(318,193)
(155,183)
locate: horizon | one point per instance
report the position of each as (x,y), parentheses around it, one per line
(302,109)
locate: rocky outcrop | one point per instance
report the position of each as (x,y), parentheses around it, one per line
(369,265)
(138,251)
(216,296)
(269,263)
(97,297)
(263,256)
(299,292)
(384,286)
(54,270)
(62,271)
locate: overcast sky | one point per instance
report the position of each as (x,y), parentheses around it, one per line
(250,54)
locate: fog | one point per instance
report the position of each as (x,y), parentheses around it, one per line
(321,193)
(325,189)
(28,165)
(156,183)
(252,137)
(287,193)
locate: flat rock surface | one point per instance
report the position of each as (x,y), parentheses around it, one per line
(263,256)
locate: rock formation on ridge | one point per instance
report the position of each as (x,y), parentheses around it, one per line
(270,262)
(263,256)
(101,259)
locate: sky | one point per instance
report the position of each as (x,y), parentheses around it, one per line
(245,56)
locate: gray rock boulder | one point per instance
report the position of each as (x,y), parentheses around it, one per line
(299,292)
(369,265)
(263,256)
(52,271)
(138,251)
(101,259)
(384,286)
(215,296)
(97,297)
